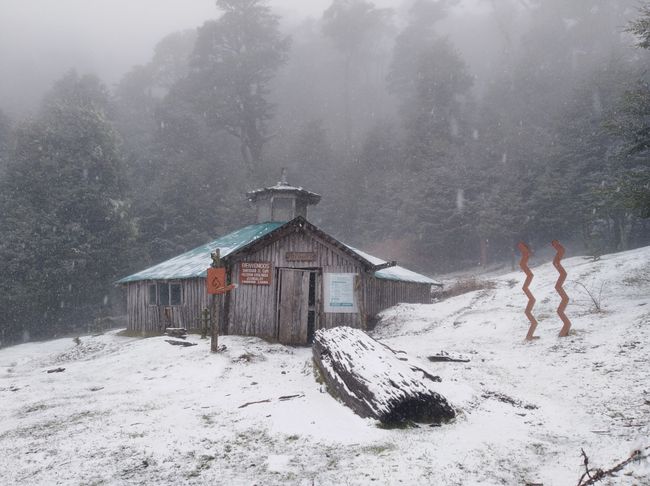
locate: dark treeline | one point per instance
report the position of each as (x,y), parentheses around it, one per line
(424,151)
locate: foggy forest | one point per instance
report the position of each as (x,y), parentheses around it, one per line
(439,133)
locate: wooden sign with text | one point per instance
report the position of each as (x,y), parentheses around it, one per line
(255,273)
(300,256)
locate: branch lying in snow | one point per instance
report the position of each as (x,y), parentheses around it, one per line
(592,476)
(445,357)
(289,397)
(502,397)
(56,370)
(268,400)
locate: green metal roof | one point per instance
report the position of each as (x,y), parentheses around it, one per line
(194,263)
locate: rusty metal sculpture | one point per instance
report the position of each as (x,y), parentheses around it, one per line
(525,255)
(558,287)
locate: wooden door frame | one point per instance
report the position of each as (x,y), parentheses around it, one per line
(318,271)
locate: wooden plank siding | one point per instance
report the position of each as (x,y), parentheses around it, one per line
(252,308)
(380,294)
(154,318)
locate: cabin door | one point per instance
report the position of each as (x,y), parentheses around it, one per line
(296,311)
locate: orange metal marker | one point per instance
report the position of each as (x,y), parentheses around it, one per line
(564,332)
(525,255)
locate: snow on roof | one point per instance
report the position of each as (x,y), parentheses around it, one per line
(278,187)
(194,263)
(284,187)
(394,273)
(404,275)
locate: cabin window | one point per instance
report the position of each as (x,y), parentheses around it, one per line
(153,294)
(175,294)
(165,294)
(282,209)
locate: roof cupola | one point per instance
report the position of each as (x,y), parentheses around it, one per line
(282,202)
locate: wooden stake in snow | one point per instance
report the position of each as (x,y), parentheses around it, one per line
(373,381)
(216,287)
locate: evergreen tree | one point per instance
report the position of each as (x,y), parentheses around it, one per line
(433,85)
(233,62)
(629,122)
(5,133)
(357,29)
(195,187)
(64,214)
(547,152)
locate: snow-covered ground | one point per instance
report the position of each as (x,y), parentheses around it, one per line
(139,411)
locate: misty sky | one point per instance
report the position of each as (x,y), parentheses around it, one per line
(42,39)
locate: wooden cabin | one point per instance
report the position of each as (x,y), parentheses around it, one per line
(292,278)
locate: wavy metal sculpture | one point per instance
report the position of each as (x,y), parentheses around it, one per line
(523,264)
(558,287)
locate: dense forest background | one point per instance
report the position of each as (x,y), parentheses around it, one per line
(436,140)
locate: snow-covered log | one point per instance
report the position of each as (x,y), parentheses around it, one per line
(374,381)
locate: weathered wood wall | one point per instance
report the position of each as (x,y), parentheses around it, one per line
(252,308)
(154,318)
(380,294)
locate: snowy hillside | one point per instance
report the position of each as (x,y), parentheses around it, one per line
(139,411)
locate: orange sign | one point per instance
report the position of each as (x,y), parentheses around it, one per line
(216,281)
(255,273)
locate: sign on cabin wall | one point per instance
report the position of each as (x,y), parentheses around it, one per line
(255,273)
(300,256)
(338,292)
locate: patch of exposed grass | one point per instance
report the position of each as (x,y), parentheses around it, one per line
(464,286)
(318,374)
(640,278)
(37,407)
(378,449)
(208,419)
(204,462)
(249,358)
(138,334)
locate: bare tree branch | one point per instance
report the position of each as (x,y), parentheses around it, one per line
(592,476)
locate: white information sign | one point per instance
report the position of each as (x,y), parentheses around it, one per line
(339,293)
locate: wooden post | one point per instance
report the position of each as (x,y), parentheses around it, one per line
(214,306)
(204,321)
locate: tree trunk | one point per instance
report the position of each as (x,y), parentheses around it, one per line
(375,381)
(215,305)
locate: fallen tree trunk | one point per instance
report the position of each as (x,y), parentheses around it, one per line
(373,381)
